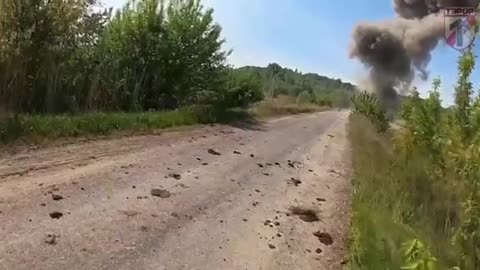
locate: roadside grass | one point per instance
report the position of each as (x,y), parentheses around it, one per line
(40,128)
(37,128)
(284,105)
(394,202)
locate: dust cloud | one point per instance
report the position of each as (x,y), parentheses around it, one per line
(397,50)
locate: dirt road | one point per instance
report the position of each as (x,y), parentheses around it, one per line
(217,197)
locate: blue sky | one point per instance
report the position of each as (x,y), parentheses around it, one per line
(311,35)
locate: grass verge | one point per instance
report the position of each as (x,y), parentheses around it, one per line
(284,106)
(40,128)
(393,204)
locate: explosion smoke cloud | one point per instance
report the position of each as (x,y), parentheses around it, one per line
(397,50)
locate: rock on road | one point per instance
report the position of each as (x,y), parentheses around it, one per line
(215,197)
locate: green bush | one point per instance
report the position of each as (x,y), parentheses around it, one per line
(243,91)
(72,57)
(368,105)
(420,182)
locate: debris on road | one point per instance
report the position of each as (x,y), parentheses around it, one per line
(305,214)
(213,152)
(130,213)
(56,215)
(175,175)
(295,181)
(293,163)
(51,239)
(324,237)
(215,203)
(182,185)
(56,197)
(162,193)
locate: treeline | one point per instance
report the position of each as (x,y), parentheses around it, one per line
(277,80)
(68,56)
(417,187)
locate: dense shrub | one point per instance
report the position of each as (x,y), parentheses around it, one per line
(242,91)
(367,104)
(418,187)
(62,56)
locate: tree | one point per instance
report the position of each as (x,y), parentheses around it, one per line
(274,69)
(39,41)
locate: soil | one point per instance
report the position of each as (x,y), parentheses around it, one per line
(110,219)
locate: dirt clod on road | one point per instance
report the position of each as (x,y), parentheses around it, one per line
(162,193)
(305,214)
(324,237)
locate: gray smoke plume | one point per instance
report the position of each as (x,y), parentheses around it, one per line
(397,50)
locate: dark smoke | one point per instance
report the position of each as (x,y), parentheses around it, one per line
(397,50)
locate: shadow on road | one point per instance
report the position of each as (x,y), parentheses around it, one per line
(249,124)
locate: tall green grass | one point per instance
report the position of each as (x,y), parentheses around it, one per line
(39,128)
(35,128)
(394,202)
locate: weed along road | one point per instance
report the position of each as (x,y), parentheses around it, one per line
(268,195)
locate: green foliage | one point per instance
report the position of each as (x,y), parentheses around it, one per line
(367,104)
(284,105)
(304,97)
(67,56)
(417,256)
(243,90)
(425,178)
(43,44)
(37,128)
(324,91)
(163,57)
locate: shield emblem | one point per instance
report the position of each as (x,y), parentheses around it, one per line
(460,27)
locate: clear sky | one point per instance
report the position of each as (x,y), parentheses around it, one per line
(311,35)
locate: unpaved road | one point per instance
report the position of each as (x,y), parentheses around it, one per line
(227,210)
